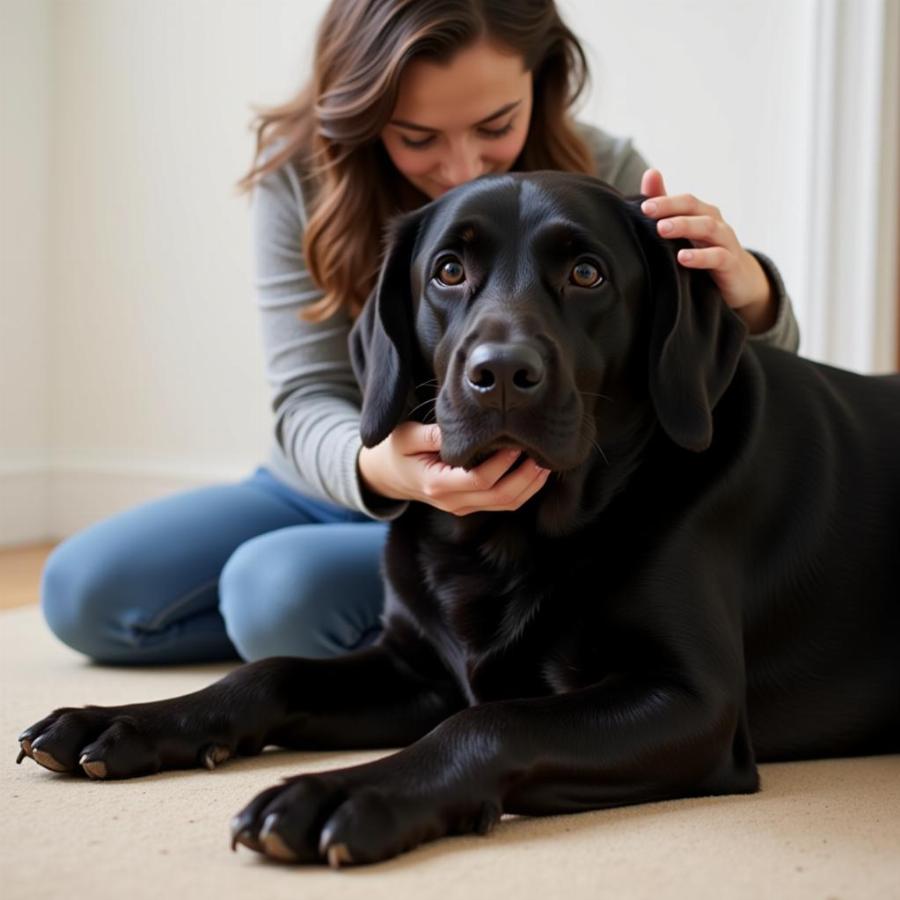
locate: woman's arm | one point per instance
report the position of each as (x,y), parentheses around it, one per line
(315,397)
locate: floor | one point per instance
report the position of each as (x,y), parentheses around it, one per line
(20,573)
(822,830)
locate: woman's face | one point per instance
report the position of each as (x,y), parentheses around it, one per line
(457,121)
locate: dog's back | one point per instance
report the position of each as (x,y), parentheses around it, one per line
(820,490)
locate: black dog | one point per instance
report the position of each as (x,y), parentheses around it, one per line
(710,577)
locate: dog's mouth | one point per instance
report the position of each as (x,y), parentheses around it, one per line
(555,440)
(485,454)
(501,444)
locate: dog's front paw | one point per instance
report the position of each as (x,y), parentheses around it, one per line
(126,741)
(357,815)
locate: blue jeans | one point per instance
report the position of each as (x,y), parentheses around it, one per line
(246,570)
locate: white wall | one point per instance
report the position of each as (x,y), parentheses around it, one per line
(25,264)
(130,361)
(158,368)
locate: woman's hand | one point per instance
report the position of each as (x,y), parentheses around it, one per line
(737,272)
(407,466)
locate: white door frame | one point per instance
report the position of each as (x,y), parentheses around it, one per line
(854,183)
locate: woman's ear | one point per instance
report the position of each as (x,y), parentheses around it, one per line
(696,340)
(381,340)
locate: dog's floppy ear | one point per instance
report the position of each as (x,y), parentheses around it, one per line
(695,338)
(381,340)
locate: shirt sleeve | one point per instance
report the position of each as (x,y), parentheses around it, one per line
(785,332)
(315,397)
(621,165)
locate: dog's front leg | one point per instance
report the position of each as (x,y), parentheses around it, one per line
(369,698)
(616,745)
(607,745)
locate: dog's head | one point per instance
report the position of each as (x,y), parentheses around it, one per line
(542,311)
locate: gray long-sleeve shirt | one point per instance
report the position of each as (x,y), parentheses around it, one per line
(315,397)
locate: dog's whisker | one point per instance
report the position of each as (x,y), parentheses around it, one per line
(600,451)
(586,434)
(601,396)
(423,403)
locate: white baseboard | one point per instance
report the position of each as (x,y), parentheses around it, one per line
(24,505)
(51,502)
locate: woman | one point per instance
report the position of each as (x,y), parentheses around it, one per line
(408,99)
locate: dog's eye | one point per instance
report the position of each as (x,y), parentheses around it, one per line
(451,273)
(586,274)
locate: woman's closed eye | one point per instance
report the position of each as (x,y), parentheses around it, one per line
(489,133)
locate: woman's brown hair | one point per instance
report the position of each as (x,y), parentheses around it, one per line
(331,129)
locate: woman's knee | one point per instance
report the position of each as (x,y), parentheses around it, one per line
(312,590)
(108,595)
(141,586)
(78,591)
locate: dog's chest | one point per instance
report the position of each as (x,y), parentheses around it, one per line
(489,607)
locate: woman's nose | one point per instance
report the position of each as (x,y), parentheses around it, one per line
(463,165)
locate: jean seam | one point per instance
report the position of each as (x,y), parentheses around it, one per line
(173,607)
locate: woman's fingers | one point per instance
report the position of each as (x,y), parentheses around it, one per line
(684,216)
(531,489)
(414,437)
(652,184)
(455,479)
(490,486)
(661,207)
(717,258)
(737,273)
(696,228)
(516,489)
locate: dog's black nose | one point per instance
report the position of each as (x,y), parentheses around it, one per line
(504,375)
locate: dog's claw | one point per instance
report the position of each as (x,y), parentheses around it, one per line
(24,747)
(488,817)
(94,768)
(245,837)
(337,854)
(215,754)
(242,833)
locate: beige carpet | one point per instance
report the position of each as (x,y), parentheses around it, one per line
(828,829)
